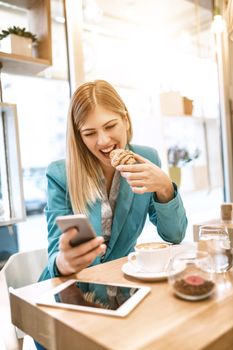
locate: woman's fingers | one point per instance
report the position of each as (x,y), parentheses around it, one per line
(84,248)
(66,237)
(74,259)
(139,190)
(68,263)
(144,176)
(137,183)
(81,249)
(140,159)
(86,259)
(134,176)
(138,169)
(131,168)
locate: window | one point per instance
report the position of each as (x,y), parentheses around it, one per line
(11,195)
(42,105)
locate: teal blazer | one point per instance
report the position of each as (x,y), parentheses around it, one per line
(129,216)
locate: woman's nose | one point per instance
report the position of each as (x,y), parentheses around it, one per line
(103,138)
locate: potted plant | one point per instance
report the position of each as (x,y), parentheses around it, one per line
(17,40)
(177,158)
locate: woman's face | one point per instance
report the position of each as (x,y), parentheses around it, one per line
(104,131)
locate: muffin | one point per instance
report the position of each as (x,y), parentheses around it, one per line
(121,156)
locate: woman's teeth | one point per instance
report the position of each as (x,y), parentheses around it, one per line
(106,151)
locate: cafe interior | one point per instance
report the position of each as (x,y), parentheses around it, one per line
(171,61)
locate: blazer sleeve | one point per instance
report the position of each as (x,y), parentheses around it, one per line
(57,204)
(170,218)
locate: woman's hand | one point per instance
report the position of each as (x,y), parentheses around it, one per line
(147,177)
(73,259)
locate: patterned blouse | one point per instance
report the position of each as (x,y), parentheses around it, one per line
(108,206)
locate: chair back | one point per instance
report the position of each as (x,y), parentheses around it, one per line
(21,269)
(24,268)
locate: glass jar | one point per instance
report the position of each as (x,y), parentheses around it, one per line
(190,275)
(214,239)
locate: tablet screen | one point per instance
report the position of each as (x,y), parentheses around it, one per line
(102,296)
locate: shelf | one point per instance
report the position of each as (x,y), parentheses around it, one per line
(39,23)
(26,4)
(17,64)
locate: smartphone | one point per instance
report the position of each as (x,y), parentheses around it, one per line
(79,221)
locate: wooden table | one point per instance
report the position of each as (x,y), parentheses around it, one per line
(159,322)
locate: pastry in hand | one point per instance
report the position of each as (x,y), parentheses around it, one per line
(121,156)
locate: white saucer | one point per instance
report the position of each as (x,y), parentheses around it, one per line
(132,271)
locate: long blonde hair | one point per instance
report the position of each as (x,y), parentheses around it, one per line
(82,167)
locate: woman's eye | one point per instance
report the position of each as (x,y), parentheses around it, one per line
(110,126)
(90,134)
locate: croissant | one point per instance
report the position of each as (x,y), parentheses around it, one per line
(121,156)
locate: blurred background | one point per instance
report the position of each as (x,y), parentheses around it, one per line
(161,57)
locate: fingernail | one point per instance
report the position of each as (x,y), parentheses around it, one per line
(126,175)
(119,167)
(104,247)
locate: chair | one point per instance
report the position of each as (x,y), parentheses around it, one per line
(20,270)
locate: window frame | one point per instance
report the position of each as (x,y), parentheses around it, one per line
(10,167)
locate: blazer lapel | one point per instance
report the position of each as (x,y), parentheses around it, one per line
(123,204)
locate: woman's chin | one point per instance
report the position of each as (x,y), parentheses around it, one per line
(105,161)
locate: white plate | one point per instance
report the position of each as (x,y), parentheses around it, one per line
(132,271)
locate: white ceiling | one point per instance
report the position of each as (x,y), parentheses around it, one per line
(167,18)
(170,16)
(159,20)
(153,13)
(158,13)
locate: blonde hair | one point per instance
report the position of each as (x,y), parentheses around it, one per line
(82,167)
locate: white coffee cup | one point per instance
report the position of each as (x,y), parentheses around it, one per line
(151,256)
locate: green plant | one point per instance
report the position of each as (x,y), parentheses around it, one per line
(18,31)
(178,156)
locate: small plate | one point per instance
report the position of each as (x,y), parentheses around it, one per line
(132,271)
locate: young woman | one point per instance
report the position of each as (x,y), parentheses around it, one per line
(116,201)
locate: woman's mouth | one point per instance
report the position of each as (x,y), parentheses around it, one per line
(106,151)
